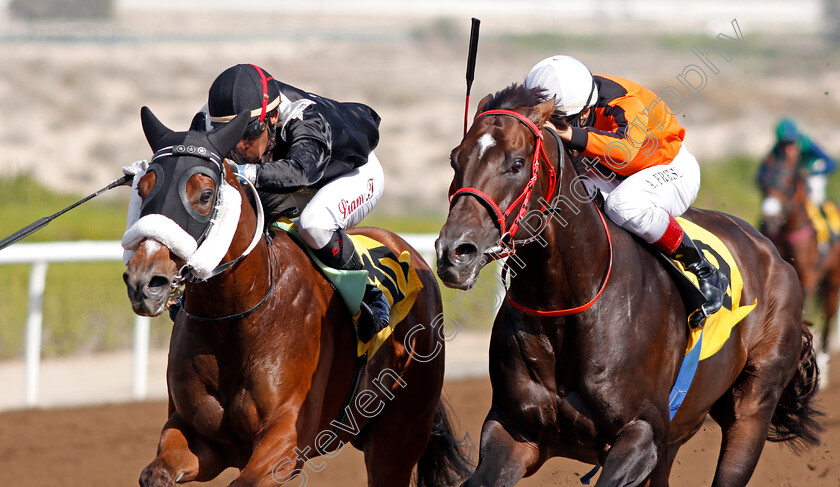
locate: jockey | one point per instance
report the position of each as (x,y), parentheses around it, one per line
(314,150)
(632,147)
(814,163)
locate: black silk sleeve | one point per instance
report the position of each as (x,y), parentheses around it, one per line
(309,143)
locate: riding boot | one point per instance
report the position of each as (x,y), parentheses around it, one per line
(375,310)
(712,283)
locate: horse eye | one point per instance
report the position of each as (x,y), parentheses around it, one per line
(452,163)
(517,166)
(206,196)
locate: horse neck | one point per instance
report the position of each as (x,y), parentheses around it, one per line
(244,284)
(564,268)
(798,217)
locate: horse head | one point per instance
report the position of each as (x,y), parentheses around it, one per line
(501,170)
(781,185)
(184,213)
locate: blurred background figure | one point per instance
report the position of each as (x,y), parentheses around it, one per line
(813,162)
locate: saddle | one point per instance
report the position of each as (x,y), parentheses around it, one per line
(394,275)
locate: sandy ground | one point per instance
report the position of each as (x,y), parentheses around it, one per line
(109,446)
(103,378)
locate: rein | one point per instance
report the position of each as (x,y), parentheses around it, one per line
(243,314)
(577,309)
(185,275)
(522,200)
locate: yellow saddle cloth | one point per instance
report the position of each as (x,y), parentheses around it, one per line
(718,327)
(826,222)
(394,275)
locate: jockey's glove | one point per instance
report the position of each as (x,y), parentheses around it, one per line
(136,167)
(246,171)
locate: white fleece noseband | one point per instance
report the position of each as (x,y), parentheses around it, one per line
(202,260)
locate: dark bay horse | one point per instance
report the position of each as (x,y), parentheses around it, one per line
(588,344)
(261,359)
(785,221)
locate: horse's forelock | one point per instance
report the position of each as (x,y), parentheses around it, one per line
(515,96)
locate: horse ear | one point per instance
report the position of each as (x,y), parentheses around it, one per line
(153,128)
(199,123)
(481,105)
(227,136)
(544,111)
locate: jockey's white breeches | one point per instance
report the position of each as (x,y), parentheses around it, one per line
(342,203)
(643,202)
(816,183)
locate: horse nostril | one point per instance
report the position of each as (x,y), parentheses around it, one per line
(464,252)
(157,285)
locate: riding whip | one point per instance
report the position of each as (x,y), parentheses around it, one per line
(41,223)
(471,67)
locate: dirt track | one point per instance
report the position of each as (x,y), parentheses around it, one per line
(108,446)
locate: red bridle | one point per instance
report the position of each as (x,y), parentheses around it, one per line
(523,199)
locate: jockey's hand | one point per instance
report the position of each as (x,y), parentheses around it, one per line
(565,134)
(246,171)
(136,167)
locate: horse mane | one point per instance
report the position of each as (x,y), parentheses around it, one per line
(516,95)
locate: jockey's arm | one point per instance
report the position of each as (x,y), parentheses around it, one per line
(619,144)
(828,164)
(305,161)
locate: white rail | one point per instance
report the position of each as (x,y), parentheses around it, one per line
(40,255)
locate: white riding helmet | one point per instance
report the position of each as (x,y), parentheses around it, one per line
(568,80)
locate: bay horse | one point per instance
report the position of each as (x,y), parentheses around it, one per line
(590,338)
(786,222)
(261,359)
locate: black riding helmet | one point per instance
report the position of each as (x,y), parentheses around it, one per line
(240,88)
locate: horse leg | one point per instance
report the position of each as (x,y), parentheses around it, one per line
(276,458)
(830,300)
(830,295)
(661,474)
(182,457)
(632,457)
(744,414)
(502,460)
(395,441)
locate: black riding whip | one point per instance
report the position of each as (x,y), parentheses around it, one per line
(41,223)
(471,67)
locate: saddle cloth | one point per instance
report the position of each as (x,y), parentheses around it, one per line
(706,340)
(826,221)
(394,275)
(718,327)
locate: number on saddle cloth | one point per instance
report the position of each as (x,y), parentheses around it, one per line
(394,275)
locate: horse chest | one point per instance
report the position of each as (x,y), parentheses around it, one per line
(212,401)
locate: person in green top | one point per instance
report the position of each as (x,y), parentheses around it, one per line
(814,163)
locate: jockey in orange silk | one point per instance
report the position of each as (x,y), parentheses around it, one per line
(631,148)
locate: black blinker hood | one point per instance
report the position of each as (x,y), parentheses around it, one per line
(179,156)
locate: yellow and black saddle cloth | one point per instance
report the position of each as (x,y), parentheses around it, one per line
(705,341)
(394,275)
(826,221)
